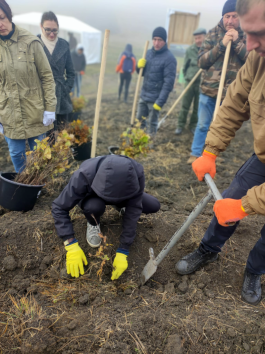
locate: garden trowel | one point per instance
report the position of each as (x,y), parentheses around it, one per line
(153,263)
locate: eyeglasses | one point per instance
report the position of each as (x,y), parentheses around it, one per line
(49,31)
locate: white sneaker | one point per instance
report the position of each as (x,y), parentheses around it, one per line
(92,235)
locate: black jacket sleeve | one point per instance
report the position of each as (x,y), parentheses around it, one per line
(76,190)
(132,214)
(70,72)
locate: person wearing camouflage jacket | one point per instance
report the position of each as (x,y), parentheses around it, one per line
(190,69)
(211,57)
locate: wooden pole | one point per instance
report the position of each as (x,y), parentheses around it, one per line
(138,86)
(180,98)
(222,80)
(100,89)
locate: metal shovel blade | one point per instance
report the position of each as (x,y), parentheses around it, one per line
(150,267)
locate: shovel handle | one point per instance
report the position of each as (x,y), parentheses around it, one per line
(210,183)
(215,192)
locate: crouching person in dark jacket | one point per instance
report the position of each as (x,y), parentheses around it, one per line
(159,74)
(105,180)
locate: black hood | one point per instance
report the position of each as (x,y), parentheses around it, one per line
(116,179)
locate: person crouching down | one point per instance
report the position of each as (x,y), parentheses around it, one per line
(106,180)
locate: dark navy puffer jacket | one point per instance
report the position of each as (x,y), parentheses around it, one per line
(113,178)
(159,76)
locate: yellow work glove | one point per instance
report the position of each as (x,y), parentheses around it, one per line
(156,107)
(75,258)
(141,63)
(120,264)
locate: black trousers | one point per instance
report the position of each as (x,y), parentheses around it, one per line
(96,206)
(60,123)
(251,174)
(125,77)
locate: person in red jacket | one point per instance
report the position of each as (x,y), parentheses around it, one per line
(126,67)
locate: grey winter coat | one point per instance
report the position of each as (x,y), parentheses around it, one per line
(159,76)
(114,179)
(63,73)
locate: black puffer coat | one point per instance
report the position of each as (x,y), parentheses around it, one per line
(159,76)
(63,73)
(114,179)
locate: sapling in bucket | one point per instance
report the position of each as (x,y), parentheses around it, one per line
(82,139)
(19,191)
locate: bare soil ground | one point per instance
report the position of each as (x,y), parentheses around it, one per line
(43,311)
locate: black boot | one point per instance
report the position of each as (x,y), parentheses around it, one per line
(251,290)
(195,260)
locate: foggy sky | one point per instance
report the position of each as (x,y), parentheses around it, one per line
(130,18)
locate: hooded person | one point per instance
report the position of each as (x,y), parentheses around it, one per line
(106,180)
(126,67)
(79,62)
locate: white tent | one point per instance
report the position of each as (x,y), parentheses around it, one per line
(88,36)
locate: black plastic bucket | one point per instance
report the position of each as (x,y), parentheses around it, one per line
(112,149)
(17,196)
(82,152)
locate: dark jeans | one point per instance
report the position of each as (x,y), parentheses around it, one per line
(96,206)
(125,77)
(251,174)
(148,116)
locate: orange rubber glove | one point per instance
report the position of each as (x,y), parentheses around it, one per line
(204,164)
(82,72)
(229,211)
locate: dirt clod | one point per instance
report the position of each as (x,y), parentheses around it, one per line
(72,325)
(174,345)
(83,300)
(9,263)
(231,332)
(183,287)
(170,288)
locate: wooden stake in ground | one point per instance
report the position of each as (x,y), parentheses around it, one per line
(138,86)
(222,80)
(99,95)
(179,98)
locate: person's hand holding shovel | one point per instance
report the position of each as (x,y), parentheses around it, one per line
(204,164)
(229,211)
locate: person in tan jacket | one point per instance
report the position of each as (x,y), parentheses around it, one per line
(246,195)
(27,88)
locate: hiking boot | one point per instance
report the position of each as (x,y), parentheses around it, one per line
(251,290)
(195,260)
(192,159)
(178,131)
(92,235)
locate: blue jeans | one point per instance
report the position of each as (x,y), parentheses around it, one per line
(77,84)
(251,174)
(17,150)
(205,116)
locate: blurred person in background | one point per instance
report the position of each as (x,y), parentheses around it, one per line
(59,56)
(79,61)
(190,69)
(27,88)
(126,67)
(72,41)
